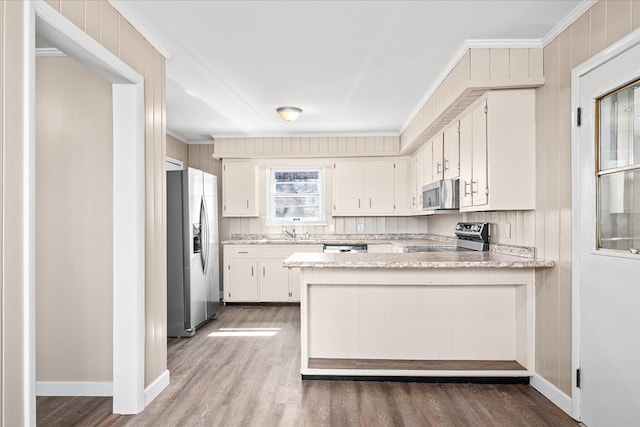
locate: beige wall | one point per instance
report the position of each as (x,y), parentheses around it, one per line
(603,24)
(12,278)
(74,232)
(177,149)
(102,22)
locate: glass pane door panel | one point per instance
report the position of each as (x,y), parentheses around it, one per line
(619,211)
(619,128)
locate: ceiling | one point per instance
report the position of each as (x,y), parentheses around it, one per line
(354,67)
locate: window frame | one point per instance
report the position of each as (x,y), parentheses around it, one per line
(603,173)
(271,220)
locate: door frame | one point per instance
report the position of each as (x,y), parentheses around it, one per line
(629,41)
(128,201)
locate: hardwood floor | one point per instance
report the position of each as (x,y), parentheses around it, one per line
(244,370)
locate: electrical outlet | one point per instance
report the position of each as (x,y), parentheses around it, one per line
(507,230)
(361,228)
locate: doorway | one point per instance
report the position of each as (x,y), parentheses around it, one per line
(128,200)
(606,233)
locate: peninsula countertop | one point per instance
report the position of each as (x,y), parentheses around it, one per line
(466,259)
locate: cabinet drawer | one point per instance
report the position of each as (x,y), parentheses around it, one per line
(284,251)
(237,251)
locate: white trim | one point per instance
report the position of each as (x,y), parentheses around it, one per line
(128,200)
(173,164)
(567,21)
(128,248)
(629,41)
(122,9)
(156,387)
(71,388)
(200,142)
(551,392)
(49,52)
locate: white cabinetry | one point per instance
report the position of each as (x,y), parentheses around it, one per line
(497,152)
(446,153)
(240,273)
(254,273)
(239,192)
(367,187)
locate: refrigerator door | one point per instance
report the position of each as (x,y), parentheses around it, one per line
(197,292)
(212,271)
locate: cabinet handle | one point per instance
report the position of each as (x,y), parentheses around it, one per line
(369,202)
(476,183)
(251,271)
(446,165)
(243,252)
(263,271)
(358,203)
(466,184)
(438,167)
(414,201)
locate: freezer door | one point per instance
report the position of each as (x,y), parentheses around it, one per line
(197,276)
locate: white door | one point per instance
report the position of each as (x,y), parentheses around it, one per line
(607,283)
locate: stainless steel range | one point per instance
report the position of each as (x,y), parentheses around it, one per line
(472,236)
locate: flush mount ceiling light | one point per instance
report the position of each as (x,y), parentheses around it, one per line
(289,113)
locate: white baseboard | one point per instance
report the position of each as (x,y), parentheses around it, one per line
(156,387)
(551,392)
(70,388)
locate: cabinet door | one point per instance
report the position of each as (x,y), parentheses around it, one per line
(451,151)
(479,187)
(400,191)
(466,145)
(411,183)
(419,180)
(274,281)
(438,158)
(347,187)
(378,186)
(239,189)
(241,282)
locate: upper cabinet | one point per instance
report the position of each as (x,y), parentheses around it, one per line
(239,189)
(451,151)
(367,187)
(497,152)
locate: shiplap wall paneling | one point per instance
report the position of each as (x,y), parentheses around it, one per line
(319,146)
(177,149)
(603,24)
(102,21)
(477,70)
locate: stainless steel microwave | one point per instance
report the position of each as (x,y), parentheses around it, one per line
(443,194)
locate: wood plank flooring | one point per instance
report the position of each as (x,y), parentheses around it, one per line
(411,365)
(244,370)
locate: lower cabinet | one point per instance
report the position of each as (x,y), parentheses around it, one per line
(254,273)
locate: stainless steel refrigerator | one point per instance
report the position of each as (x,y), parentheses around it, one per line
(193,279)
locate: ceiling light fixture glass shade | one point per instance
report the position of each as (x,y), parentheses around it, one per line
(289,113)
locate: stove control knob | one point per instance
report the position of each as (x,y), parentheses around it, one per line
(459,227)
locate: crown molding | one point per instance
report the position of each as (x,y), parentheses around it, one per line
(567,21)
(120,6)
(176,136)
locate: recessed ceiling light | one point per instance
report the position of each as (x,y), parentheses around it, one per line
(289,113)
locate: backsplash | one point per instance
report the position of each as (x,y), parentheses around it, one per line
(336,225)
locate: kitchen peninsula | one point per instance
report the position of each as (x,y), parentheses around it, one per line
(438,314)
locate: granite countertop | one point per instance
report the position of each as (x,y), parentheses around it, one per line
(355,239)
(469,259)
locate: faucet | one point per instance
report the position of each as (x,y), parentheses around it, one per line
(292,235)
